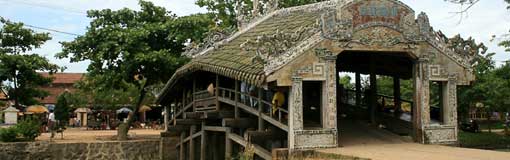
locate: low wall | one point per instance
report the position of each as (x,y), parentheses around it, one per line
(125,150)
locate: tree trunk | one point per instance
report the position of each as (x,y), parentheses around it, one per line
(123,129)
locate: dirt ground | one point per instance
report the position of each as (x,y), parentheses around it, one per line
(83,135)
(362,141)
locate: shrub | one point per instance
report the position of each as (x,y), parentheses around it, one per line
(8,134)
(29,129)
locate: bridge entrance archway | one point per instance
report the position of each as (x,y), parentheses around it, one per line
(364,100)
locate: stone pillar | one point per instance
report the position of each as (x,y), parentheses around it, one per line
(450,98)
(11,115)
(421,108)
(329,117)
(295,110)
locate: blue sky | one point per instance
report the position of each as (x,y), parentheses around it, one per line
(487,18)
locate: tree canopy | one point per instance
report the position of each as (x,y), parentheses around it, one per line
(226,11)
(128,48)
(18,67)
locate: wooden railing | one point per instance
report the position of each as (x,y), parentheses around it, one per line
(385,101)
(246,99)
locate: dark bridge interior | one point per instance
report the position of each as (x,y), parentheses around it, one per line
(398,64)
(366,103)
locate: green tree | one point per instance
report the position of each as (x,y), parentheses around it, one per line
(226,11)
(19,67)
(501,98)
(62,108)
(345,81)
(134,48)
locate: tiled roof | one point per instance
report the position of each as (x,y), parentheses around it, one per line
(231,60)
(54,92)
(64,78)
(61,82)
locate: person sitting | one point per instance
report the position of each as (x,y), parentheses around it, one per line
(278,101)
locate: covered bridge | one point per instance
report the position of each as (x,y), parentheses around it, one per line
(223,100)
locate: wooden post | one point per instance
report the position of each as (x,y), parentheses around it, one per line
(191,142)
(183,99)
(214,146)
(203,143)
(165,118)
(217,92)
(228,145)
(373,91)
(358,89)
(396,95)
(261,105)
(236,96)
(174,116)
(181,147)
(193,93)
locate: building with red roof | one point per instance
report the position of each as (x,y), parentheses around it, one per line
(61,83)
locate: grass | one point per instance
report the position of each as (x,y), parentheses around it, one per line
(494,125)
(484,140)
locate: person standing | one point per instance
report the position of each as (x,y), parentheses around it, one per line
(52,124)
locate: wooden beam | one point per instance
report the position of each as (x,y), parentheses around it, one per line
(260,105)
(236,99)
(209,114)
(188,121)
(262,136)
(169,133)
(182,111)
(166,111)
(215,129)
(178,128)
(373,91)
(194,115)
(358,89)
(203,143)
(253,111)
(186,139)
(194,89)
(217,92)
(228,144)
(260,151)
(191,143)
(239,123)
(219,114)
(396,95)
(181,147)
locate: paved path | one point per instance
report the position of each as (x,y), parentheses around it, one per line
(363,141)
